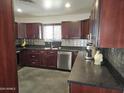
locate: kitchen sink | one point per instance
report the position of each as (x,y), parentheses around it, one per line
(48,48)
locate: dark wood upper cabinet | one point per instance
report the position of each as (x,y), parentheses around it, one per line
(21,30)
(94,22)
(66,27)
(107,23)
(71,30)
(29,30)
(75,30)
(8,70)
(32,30)
(16,30)
(85,25)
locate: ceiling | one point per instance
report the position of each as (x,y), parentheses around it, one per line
(36,8)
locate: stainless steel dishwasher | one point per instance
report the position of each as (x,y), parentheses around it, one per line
(64,60)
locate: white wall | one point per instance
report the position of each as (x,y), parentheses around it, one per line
(53,19)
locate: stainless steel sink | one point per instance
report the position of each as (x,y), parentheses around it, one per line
(48,48)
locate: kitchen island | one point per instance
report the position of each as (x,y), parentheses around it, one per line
(86,77)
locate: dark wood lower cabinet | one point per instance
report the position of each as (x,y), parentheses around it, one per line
(22,58)
(43,59)
(51,59)
(38,58)
(77,88)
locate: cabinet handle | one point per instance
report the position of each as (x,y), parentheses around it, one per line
(33,56)
(33,62)
(51,52)
(36,60)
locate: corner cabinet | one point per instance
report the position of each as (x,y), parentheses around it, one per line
(107,19)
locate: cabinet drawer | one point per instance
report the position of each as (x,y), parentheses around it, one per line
(34,63)
(35,60)
(34,56)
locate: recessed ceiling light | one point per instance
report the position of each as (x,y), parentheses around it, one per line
(67,5)
(47,4)
(19,10)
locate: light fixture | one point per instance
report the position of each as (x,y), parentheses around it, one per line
(47,4)
(67,5)
(19,10)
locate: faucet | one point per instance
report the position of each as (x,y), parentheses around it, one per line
(51,45)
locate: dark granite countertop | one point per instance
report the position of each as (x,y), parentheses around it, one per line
(47,48)
(87,73)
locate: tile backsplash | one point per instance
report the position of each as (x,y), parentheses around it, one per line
(64,42)
(116,57)
(74,42)
(30,41)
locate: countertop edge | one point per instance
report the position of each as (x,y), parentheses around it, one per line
(96,85)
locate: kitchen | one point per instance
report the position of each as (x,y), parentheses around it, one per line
(52,52)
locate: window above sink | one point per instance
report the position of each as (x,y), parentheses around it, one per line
(52,32)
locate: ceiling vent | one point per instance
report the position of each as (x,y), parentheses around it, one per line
(28,1)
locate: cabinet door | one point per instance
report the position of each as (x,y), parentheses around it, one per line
(32,30)
(71,30)
(75,30)
(22,30)
(90,89)
(23,58)
(52,59)
(43,56)
(8,67)
(85,28)
(66,27)
(94,22)
(105,90)
(75,88)
(111,20)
